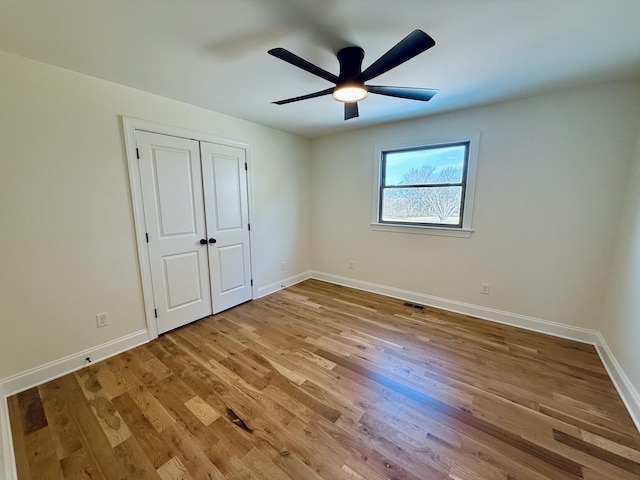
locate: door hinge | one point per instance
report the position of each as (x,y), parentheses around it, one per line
(252,282)
(245,166)
(249,226)
(155,312)
(137,154)
(147,235)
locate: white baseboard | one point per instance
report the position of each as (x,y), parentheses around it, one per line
(626,389)
(44,373)
(579,334)
(279,285)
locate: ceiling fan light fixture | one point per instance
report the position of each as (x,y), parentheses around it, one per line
(350,92)
(350,85)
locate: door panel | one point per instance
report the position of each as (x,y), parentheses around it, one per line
(231,261)
(182,279)
(228,191)
(176,212)
(227,214)
(171,181)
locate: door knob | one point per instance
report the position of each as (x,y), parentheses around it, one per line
(212,240)
(203,241)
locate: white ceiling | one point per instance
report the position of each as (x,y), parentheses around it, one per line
(213,53)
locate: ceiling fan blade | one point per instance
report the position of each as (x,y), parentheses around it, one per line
(350,110)
(424,94)
(305,97)
(410,46)
(299,62)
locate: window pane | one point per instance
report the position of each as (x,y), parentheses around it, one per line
(425,166)
(434,205)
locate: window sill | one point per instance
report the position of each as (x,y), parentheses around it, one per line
(423,230)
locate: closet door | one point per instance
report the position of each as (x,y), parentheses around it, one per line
(225,193)
(171,181)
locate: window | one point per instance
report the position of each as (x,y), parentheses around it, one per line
(428,186)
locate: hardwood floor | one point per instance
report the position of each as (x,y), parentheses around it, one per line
(325,382)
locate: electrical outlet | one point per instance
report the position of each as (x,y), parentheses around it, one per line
(283,266)
(351,264)
(102,319)
(484,288)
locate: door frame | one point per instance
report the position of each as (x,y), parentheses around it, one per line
(129,127)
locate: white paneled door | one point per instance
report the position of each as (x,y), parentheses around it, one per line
(196,217)
(227,213)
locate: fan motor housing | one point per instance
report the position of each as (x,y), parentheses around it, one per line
(350,59)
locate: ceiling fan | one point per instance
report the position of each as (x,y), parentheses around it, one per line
(350,83)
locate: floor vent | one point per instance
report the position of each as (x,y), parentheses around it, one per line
(413,305)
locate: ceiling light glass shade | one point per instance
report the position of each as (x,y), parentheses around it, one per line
(350,93)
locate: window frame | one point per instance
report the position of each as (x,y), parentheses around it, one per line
(463,229)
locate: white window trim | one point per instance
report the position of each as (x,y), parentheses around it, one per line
(470,190)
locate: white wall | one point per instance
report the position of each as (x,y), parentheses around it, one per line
(67,241)
(549,192)
(620,325)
